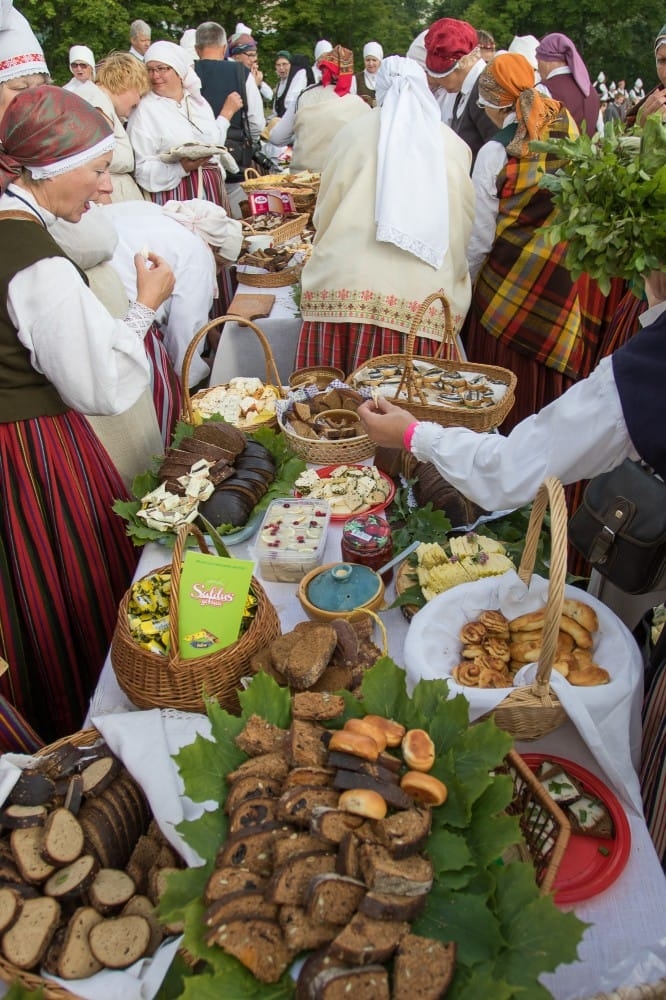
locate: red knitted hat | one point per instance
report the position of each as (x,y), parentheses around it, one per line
(447,41)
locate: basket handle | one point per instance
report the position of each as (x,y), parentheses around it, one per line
(380,624)
(449,339)
(176,568)
(272,374)
(551,493)
(251,173)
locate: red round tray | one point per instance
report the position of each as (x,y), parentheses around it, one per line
(325,471)
(586,869)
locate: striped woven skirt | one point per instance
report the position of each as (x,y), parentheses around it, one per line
(653,762)
(65,563)
(212,189)
(164,384)
(350,345)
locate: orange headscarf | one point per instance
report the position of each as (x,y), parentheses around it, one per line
(508,81)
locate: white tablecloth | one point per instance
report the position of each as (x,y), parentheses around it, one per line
(240,352)
(628,920)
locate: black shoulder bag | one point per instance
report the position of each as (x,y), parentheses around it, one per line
(620,527)
(239,139)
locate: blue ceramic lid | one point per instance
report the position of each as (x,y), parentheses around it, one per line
(343,587)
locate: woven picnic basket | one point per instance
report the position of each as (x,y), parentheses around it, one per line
(272,377)
(288,230)
(484,418)
(271,279)
(153,680)
(304,193)
(534,710)
(317,375)
(321,451)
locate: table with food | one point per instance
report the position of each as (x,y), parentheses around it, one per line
(347,741)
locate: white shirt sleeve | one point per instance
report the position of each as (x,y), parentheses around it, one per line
(97,363)
(296,88)
(150,173)
(255,108)
(282,134)
(490,160)
(266,91)
(578,436)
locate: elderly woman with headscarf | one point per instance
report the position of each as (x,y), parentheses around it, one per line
(320,112)
(82,65)
(365,81)
(65,559)
(565,74)
(526,311)
(292,81)
(172,114)
(379,250)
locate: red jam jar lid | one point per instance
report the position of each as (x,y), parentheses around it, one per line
(366,532)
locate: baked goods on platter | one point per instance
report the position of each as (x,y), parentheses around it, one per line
(440,386)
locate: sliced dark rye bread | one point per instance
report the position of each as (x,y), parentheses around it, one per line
(383,768)
(50,961)
(290,882)
(14,816)
(308,744)
(221,434)
(388,906)
(364,941)
(390,792)
(308,658)
(102,838)
(251,787)
(298,842)
(253,812)
(267,765)
(296,804)
(11,904)
(110,890)
(141,906)
(142,859)
(225,882)
(158,881)
(99,774)
(404,833)
(75,959)
(252,848)
(334,898)
(258,944)
(27,940)
(72,881)
(309,776)
(316,706)
(26,845)
(240,906)
(73,798)
(331,824)
(338,983)
(32,788)
(336,677)
(259,736)
(423,968)
(118,942)
(406,877)
(63,837)
(301,932)
(347,640)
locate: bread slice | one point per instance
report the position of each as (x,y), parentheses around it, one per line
(225,882)
(32,788)
(15,816)
(251,787)
(296,804)
(267,765)
(389,791)
(290,882)
(240,906)
(369,983)
(301,932)
(252,848)
(405,833)
(26,942)
(253,813)
(297,842)
(73,880)
(389,906)
(26,845)
(142,859)
(98,775)
(309,776)
(407,877)
(332,824)
(118,942)
(11,904)
(258,944)
(110,890)
(364,940)
(141,906)
(333,898)
(309,743)
(259,736)
(308,658)
(317,706)
(76,961)
(63,837)
(422,968)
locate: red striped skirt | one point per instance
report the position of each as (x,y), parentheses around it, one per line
(213,189)
(65,562)
(350,345)
(164,383)
(653,762)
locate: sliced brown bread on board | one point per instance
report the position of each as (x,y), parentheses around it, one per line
(290,882)
(301,932)
(364,941)
(422,968)
(258,944)
(27,940)
(75,960)
(334,898)
(63,837)
(118,942)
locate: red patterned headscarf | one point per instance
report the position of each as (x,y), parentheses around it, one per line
(49,131)
(337,67)
(508,82)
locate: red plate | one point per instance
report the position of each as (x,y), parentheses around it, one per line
(585,869)
(325,472)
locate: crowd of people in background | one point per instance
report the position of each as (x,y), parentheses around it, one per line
(121,197)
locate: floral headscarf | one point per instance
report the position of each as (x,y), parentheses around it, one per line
(508,82)
(337,67)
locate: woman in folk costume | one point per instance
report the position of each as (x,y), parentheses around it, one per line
(320,112)
(527,313)
(171,114)
(65,559)
(379,250)
(292,81)
(366,81)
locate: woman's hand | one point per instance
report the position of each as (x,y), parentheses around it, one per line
(155,281)
(190,165)
(384,422)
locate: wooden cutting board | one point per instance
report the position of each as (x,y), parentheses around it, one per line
(251,306)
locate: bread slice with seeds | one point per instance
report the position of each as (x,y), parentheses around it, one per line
(118,942)
(75,960)
(63,837)
(27,941)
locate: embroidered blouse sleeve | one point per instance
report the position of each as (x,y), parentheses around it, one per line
(97,363)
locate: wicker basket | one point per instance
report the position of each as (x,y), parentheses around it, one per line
(318,375)
(151,680)
(482,419)
(272,377)
(271,279)
(544,826)
(323,452)
(533,711)
(279,234)
(304,194)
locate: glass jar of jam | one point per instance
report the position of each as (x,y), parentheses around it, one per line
(367,540)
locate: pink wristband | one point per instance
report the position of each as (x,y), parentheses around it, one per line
(409,434)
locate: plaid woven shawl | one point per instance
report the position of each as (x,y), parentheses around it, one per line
(524,294)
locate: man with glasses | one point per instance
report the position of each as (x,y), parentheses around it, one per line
(454,62)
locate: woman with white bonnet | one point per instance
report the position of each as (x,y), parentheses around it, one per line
(22,62)
(82,65)
(171,114)
(321,48)
(380,247)
(365,81)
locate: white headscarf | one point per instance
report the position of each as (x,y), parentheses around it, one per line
(20,52)
(173,55)
(416,220)
(371,49)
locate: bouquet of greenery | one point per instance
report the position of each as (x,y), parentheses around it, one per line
(611,201)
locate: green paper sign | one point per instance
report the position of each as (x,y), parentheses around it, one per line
(213,593)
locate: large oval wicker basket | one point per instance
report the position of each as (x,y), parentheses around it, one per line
(484,418)
(321,451)
(271,377)
(304,193)
(152,680)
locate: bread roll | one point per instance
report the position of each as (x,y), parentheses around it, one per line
(424,788)
(473,632)
(367,729)
(363,802)
(527,623)
(358,744)
(589,676)
(418,750)
(495,623)
(580,635)
(581,613)
(394,731)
